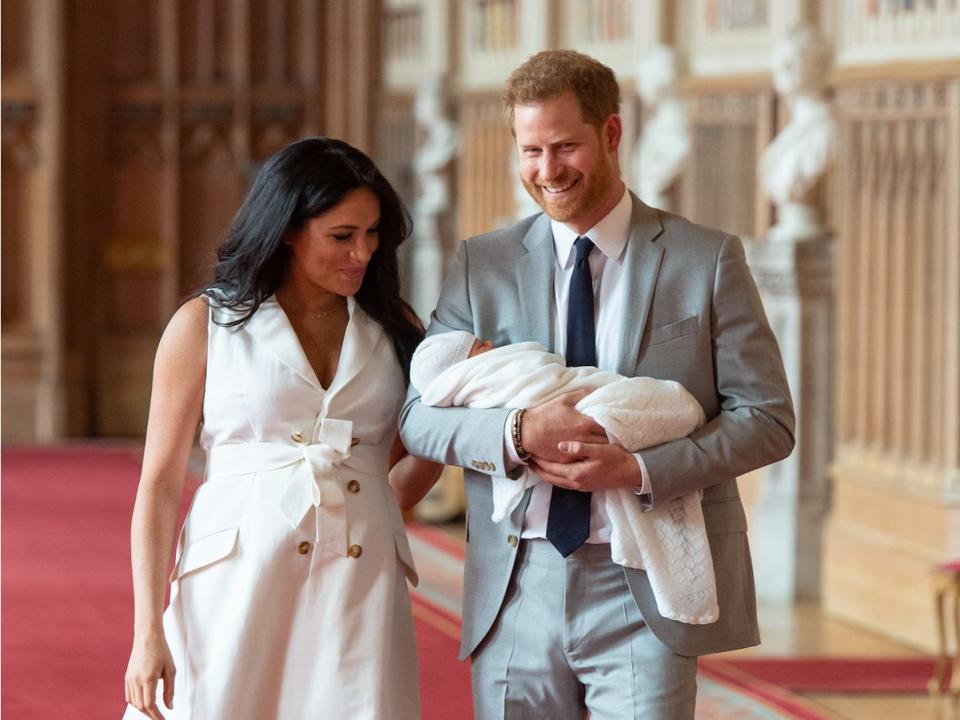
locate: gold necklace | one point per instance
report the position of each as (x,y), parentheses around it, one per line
(313,315)
(318,316)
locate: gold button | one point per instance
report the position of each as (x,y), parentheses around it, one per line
(354,551)
(475,464)
(353,486)
(297,437)
(354,442)
(512,540)
(303,548)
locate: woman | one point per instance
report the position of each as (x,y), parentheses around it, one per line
(288,596)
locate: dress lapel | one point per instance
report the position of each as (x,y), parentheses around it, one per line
(272,329)
(641,265)
(535,281)
(359,342)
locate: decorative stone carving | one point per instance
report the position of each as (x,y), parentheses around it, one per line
(206,131)
(431,166)
(136,134)
(275,125)
(20,120)
(800,154)
(664,144)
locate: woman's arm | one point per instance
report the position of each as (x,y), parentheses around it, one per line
(176,404)
(411,477)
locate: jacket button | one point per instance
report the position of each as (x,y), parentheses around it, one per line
(297,437)
(353,486)
(512,540)
(303,548)
(354,551)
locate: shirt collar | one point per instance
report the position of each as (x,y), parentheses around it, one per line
(610,234)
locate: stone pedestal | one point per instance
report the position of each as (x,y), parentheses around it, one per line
(426,276)
(795,281)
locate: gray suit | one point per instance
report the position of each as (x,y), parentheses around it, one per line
(694,316)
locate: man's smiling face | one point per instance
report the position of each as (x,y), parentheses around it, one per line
(566,164)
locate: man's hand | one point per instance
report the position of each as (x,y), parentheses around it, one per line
(547,425)
(589,467)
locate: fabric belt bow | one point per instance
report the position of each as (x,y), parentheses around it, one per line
(304,475)
(317,481)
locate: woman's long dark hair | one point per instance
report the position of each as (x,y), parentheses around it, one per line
(301,181)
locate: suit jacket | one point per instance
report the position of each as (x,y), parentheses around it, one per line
(693,315)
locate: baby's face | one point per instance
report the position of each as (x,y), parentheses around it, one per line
(479,347)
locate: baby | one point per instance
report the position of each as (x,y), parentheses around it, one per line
(670,541)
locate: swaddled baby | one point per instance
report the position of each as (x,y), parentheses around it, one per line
(669,541)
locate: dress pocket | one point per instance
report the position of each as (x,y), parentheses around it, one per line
(406,557)
(205,551)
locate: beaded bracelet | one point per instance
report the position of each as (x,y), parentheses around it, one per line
(516,433)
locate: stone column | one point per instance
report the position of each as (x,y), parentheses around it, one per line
(795,281)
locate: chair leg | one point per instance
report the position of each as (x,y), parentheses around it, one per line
(954,687)
(935,684)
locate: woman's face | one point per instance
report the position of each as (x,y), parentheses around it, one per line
(334,248)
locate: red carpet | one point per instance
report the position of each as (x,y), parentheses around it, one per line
(835,674)
(67,607)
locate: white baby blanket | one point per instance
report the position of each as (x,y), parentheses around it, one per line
(670,541)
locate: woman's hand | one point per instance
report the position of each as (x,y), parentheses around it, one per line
(410,477)
(150,661)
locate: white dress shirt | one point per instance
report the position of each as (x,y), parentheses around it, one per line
(606,267)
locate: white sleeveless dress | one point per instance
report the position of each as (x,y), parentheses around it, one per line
(289,598)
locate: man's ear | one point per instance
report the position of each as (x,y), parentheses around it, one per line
(612,132)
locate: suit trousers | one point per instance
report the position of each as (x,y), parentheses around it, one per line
(570,638)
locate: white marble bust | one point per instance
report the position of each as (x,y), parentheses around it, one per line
(800,154)
(664,143)
(437,150)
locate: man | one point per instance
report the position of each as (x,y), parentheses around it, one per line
(552,625)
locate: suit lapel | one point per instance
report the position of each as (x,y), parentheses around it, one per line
(272,329)
(535,282)
(641,267)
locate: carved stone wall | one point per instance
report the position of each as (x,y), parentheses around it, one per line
(32,119)
(396,146)
(730,122)
(485,179)
(166,111)
(896,473)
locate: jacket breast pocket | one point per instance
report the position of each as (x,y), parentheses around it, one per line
(670,331)
(205,551)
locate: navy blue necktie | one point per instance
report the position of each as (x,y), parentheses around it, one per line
(568,522)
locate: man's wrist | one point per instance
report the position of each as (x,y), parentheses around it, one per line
(642,487)
(514,463)
(516,434)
